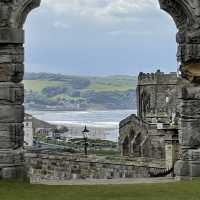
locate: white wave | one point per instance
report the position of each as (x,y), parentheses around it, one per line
(91,124)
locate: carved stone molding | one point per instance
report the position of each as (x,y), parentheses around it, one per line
(186,15)
(13,13)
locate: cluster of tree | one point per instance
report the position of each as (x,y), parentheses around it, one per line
(58,90)
(74,93)
(111,99)
(86,100)
(74,82)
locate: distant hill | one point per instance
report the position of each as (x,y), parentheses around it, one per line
(63,92)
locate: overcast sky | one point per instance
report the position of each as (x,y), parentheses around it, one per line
(99,37)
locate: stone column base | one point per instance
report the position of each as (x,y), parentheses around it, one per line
(190,168)
(13,172)
(12,164)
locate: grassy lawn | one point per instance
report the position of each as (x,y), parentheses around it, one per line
(171,191)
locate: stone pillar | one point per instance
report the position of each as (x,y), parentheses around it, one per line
(12,17)
(186,15)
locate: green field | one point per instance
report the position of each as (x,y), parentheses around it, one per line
(172,191)
(110,83)
(39,85)
(113,83)
(79,92)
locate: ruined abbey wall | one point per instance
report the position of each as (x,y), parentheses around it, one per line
(151,132)
(186,15)
(140,139)
(157,96)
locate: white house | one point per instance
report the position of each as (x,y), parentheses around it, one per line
(34,127)
(28,130)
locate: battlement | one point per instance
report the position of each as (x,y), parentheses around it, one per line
(157,78)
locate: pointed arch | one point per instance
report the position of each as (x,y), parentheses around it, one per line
(22,12)
(181,12)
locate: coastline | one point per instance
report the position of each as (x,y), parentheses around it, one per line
(102,124)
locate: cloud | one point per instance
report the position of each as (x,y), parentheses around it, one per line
(128,33)
(99,37)
(62,25)
(101,8)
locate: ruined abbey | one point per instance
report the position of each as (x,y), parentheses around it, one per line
(168,120)
(153,132)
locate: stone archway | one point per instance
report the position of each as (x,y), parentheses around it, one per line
(186,15)
(13,13)
(12,17)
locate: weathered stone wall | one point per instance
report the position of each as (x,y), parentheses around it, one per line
(140,139)
(44,167)
(144,135)
(186,15)
(157,96)
(12,18)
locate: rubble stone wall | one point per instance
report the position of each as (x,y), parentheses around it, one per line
(44,167)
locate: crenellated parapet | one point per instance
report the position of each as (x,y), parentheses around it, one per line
(157,78)
(186,15)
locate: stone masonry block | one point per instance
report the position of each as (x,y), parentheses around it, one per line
(11,136)
(8,35)
(190,109)
(11,93)
(11,114)
(11,72)
(11,157)
(11,54)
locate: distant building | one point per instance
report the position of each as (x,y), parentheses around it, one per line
(34,127)
(153,133)
(28,130)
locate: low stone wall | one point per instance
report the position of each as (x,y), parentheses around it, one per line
(44,167)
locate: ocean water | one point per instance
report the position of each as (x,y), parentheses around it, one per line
(106,123)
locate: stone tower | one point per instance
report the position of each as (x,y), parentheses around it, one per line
(13,14)
(156,96)
(186,15)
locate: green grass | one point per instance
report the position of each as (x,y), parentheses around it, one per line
(39,85)
(113,83)
(109,87)
(171,191)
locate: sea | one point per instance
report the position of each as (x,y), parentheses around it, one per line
(101,124)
